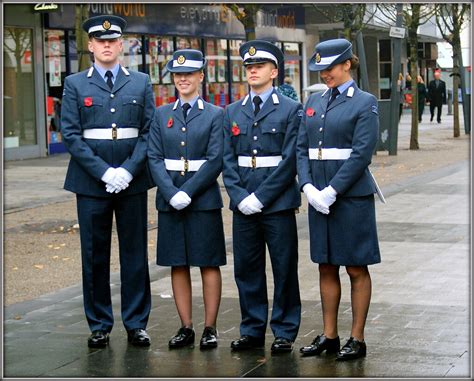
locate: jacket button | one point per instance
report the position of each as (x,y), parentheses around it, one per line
(321,129)
(112,110)
(254,151)
(112,95)
(114,125)
(183,144)
(182,158)
(183,129)
(320,143)
(273,130)
(255,138)
(255,124)
(182,173)
(322,116)
(134,101)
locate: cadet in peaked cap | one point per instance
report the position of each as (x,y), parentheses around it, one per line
(259,51)
(259,174)
(185,159)
(106,114)
(186,61)
(104,27)
(329,53)
(337,136)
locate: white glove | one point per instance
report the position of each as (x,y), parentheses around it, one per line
(122,179)
(329,195)
(250,205)
(180,200)
(108,176)
(314,198)
(109,179)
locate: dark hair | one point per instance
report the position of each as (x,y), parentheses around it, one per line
(354,62)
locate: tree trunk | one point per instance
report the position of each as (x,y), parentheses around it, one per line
(456,132)
(82,39)
(414,90)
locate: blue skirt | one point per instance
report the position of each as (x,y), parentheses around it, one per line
(347,236)
(191,238)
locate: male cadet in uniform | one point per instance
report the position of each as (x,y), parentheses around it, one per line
(107,112)
(259,174)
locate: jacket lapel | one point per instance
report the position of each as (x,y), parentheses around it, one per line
(96,79)
(268,107)
(247,107)
(195,111)
(122,80)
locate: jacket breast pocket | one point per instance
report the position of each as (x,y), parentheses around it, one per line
(92,113)
(133,110)
(273,135)
(240,138)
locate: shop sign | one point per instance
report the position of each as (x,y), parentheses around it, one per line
(45,7)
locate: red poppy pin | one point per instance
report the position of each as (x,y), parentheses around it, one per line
(170,122)
(88,101)
(310,111)
(235,129)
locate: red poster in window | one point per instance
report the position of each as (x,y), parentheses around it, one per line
(27,57)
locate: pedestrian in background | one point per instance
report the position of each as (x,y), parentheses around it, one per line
(287,89)
(185,156)
(436,95)
(106,115)
(336,140)
(422,94)
(260,177)
(401,89)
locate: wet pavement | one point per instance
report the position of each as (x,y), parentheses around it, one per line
(418,323)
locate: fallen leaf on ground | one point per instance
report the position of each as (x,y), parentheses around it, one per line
(39,267)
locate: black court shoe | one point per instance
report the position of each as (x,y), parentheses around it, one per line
(353,349)
(319,344)
(280,345)
(184,337)
(209,338)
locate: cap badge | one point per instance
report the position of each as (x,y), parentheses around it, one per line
(252,51)
(181,60)
(318,58)
(106,25)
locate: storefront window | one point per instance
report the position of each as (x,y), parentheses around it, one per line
(19,127)
(159,52)
(55,68)
(239,79)
(293,65)
(132,52)
(217,87)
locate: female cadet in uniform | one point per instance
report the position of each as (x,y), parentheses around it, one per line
(336,139)
(185,158)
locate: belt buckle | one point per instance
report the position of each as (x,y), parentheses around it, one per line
(186,166)
(114,133)
(320,154)
(254,162)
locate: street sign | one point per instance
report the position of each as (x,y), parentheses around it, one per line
(397,32)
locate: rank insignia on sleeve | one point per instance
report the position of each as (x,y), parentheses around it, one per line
(300,113)
(375,109)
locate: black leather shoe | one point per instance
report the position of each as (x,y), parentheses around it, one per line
(319,344)
(138,337)
(209,338)
(280,344)
(185,336)
(247,342)
(98,339)
(353,349)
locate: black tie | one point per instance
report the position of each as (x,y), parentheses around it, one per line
(334,94)
(186,107)
(109,76)
(257,102)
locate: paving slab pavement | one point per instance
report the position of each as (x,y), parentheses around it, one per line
(418,323)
